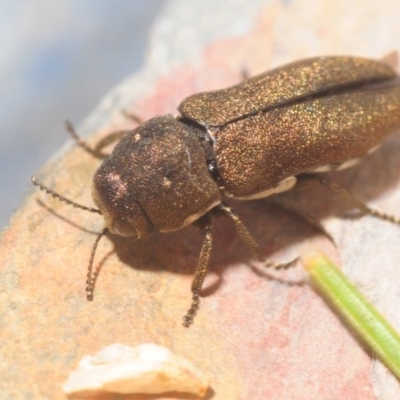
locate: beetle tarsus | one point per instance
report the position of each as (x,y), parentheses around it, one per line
(189,317)
(290,264)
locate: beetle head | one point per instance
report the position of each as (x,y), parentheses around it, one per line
(155,178)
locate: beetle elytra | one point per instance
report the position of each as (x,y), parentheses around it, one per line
(245,142)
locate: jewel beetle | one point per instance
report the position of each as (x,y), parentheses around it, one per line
(246,142)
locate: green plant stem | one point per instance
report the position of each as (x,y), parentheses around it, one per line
(359,313)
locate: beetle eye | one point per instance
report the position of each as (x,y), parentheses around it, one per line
(124,228)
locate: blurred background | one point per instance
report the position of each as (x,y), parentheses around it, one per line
(57,59)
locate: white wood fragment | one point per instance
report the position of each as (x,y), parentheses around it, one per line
(147,368)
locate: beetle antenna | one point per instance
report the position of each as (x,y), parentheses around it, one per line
(62,198)
(89,276)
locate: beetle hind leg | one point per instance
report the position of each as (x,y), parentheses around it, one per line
(358,204)
(273,265)
(205,224)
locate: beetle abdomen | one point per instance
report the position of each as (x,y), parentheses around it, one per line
(281,85)
(256,153)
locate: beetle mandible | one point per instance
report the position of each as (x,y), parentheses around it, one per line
(249,141)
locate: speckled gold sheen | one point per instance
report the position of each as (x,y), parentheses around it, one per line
(296,118)
(277,125)
(280,85)
(256,153)
(156,178)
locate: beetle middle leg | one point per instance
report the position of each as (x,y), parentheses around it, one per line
(244,233)
(251,243)
(205,225)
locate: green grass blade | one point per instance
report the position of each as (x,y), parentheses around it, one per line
(359,313)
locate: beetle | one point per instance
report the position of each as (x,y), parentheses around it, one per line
(246,142)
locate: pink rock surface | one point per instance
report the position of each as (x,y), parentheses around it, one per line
(260,335)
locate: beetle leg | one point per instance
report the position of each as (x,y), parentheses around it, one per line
(290,264)
(96,151)
(250,242)
(132,116)
(244,233)
(358,204)
(201,270)
(244,72)
(110,138)
(71,130)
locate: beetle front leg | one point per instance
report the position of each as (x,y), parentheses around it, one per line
(132,116)
(205,224)
(95,151)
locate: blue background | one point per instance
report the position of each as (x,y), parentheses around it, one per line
(57,59)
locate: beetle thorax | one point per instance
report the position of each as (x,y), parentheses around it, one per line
(156,177)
